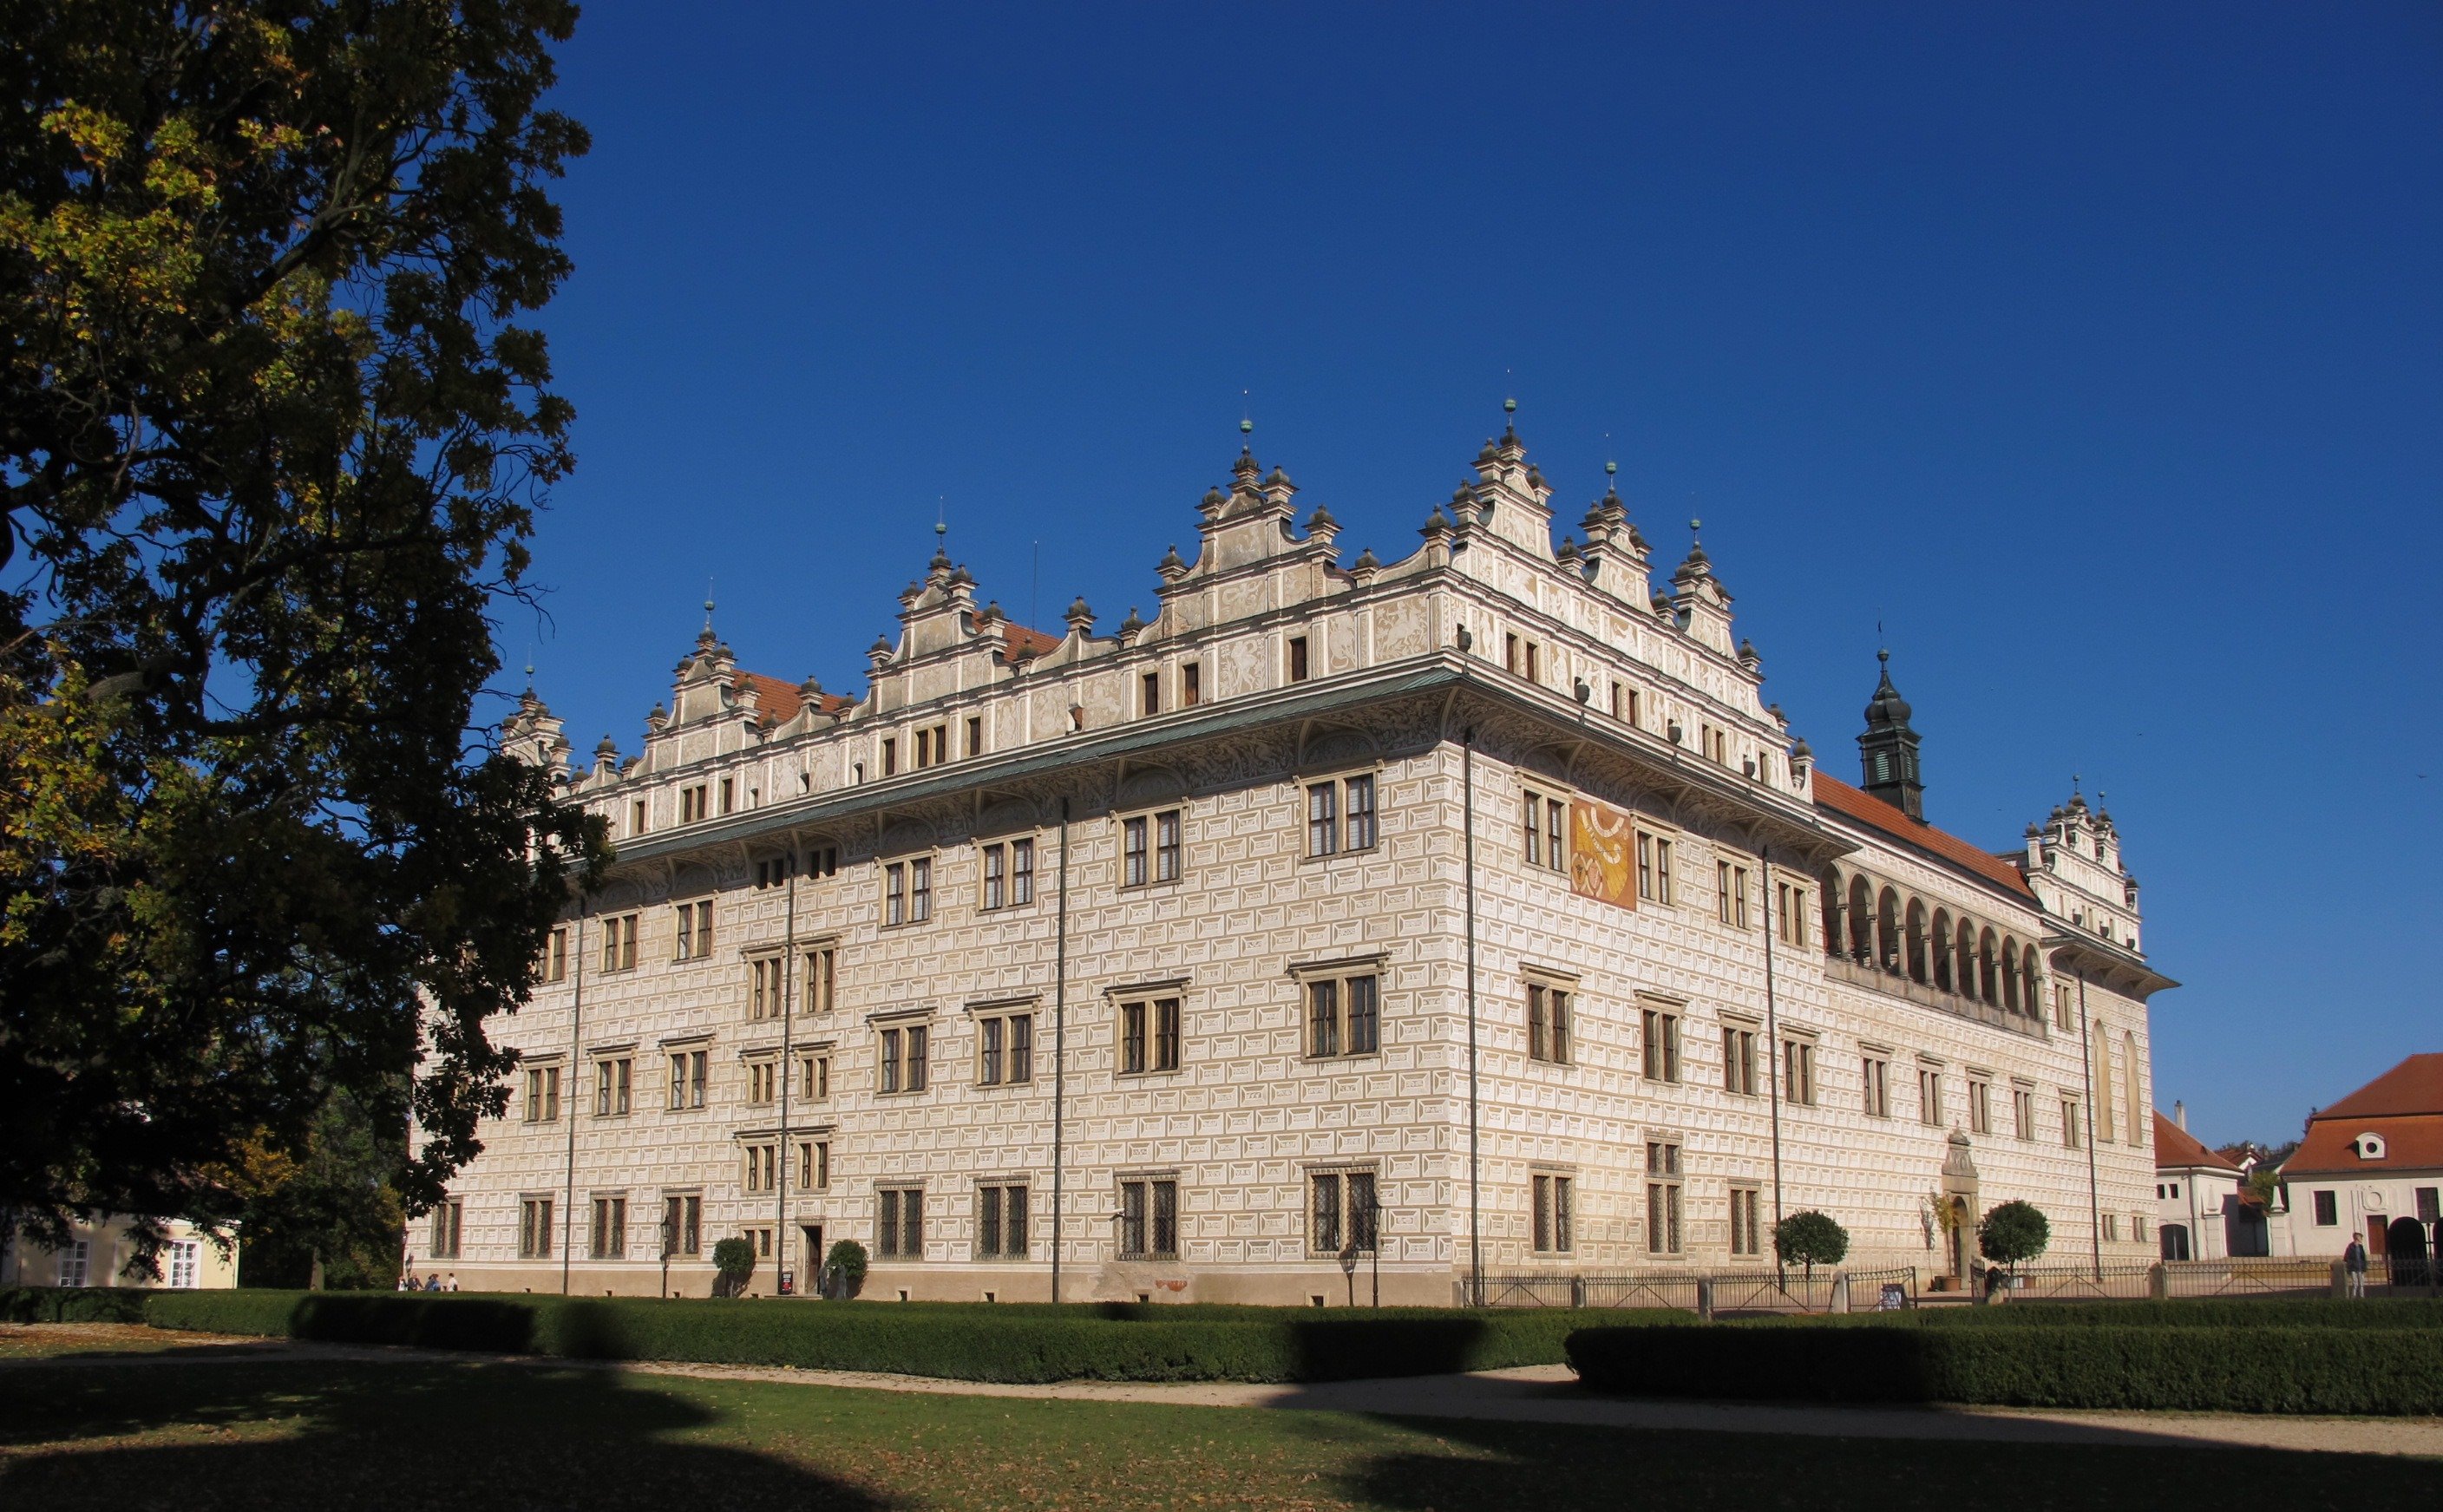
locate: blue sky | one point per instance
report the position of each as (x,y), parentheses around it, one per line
(2097,351)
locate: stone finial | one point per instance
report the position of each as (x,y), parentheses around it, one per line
(1131,627)
(1748,656)
(880,650)
(1569,556)
(1080,618)
(1170,566)
(811,690)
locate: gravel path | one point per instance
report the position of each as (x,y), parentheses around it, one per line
(1534,1393)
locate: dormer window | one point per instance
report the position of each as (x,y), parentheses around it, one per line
(2368,1146)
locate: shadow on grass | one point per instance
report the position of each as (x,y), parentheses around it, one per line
(1492,1466)
(311,1436)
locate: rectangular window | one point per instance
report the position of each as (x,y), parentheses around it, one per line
(694,930)
(2061,1007)
(1166,846)
(1929,1096)
(1730,896)
(2112,1227)
(534,1229)
(763,1082)
(1324,1213)
(683,1224)
(619,943)
(1624,705)
(1510,653)
(1297,659)
(763,988)
(728,794)
(2023,1113)
(1551,1202)
(932,746)
(75,1257)
(555,961)
(1005,1050)
(815,1076)
(894,894)
(2429,1203)
(543,1095)
(899,1234)
(1000,1222)
(1798,1073)
(1661,1034)
(691,807)
(1133,836)
(2073,1135)
(903,1058)
(1150,1035)
(1738,1061)
(762,1167)
(1360,813)
(1323,819)
(920,890)
(449,1227)
(1343,1016)
(1876,1078)
(1981,1106)
(636,818)
(185,1261)
(614,1082)
(995,876)
(2328,1213)
(975,735)
(1791,902)
(1191,686)
(1544,820)
(1747,1222)
(814,1165)
(1149,693)
(610,1227)
(1149,1218)
(889,757)
(1534,673)
(689,1070)
(1663,1235)
(1547,1024)
(1653,868)
(822,979)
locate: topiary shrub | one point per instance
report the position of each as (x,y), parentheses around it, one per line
(1809,1239)
(2012,1233)
(844,1270)
(734,1259)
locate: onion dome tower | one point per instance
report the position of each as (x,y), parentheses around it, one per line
(1887,752)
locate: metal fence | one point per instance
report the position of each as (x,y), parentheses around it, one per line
(2303,1277)
(1691,1291)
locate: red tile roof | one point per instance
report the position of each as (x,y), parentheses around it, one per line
(1019,643)
(2404,1105)
(2414,1086)
(1847,802)
(775,702)
(2175,1149)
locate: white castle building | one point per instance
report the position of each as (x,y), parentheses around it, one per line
(1470,914)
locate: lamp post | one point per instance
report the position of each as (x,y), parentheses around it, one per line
(669,1237)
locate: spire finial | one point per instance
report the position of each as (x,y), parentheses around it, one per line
(708,606)
(1246,422)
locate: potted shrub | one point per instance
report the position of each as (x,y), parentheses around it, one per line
(734,1259)
(843,1270)
(2012,1233)
(1809,1239)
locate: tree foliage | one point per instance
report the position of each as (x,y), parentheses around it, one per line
(843,1270)
(1811,1238)
(329,1215)
(2012,1233)
(271,438)
(733,1260)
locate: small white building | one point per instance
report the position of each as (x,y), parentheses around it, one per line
(97,1254)
(2372,1166)
(2201,1212)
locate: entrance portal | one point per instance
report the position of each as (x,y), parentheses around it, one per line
(2405,1249)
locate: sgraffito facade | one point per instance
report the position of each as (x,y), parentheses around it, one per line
(1466,913)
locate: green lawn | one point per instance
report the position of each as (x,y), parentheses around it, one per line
(324,1437)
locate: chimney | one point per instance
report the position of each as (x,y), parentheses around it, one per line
(2181,1115)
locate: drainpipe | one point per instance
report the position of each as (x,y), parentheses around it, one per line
(576,1059)
(1059,1039)
(1771,1041)
(780,1141)
(1475,1223)
(2086,1078)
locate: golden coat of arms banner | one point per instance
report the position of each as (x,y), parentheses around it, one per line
(1602,863)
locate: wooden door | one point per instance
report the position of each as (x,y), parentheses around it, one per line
(2374,1238)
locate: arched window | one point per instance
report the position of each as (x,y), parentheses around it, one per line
(2104,1103)
(1967,964)
(1833,895)
(2032,997)
(1916,940)
(1941,943)
(2010,975)
(1991,989)
(2129,1063)
(1862,922)
(1887,932)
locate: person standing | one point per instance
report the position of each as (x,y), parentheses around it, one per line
(2353,1265)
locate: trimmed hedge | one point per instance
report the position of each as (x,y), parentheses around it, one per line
(71,1304)
(2203,1312)
(2374,1372)
(964,1341)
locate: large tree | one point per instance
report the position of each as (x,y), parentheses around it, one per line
(271,436)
